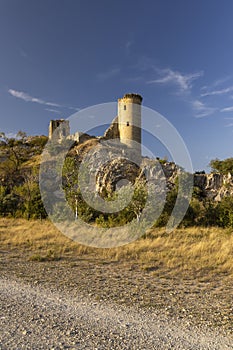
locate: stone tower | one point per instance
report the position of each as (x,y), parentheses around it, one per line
(129,121)
(63,131)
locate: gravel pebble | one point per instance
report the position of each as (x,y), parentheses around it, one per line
(35,317)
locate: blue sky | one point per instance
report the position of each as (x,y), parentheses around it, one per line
(60,56)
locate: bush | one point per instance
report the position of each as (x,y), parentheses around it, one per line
(225,212)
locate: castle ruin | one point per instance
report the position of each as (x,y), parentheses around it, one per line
(62,128)
(126,126)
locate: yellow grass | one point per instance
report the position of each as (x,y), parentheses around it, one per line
(184,250)
(33,162)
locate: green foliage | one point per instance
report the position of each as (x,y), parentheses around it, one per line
(30,204)
(37,144)
(200,211)
(20,194)
(19,188)
(9,205)
(168,207)
(222,166)
(225,212)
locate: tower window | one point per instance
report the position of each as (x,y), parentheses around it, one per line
(124,107)
(127,124)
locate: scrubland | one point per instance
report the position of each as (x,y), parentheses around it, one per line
(185,250)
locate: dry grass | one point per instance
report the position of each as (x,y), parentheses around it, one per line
(184,250)
(36,237)
(33,162)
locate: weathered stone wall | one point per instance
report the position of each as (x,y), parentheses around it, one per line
(59,128)
(129,120)
(113,131)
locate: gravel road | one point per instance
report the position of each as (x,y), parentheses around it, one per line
(34,317)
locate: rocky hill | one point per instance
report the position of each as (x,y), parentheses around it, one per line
(110,166)
(110,162)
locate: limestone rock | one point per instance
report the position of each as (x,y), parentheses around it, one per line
(113,131)
(116,173)
(111,162)
(214,186)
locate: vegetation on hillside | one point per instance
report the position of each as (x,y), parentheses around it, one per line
(20,194)
(222,166)
(19,176)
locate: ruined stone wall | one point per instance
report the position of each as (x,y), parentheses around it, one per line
(113,131)
(59,128)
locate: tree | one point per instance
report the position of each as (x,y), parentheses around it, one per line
(13,154)
(21,135)
(31,205)
(225,212)
(222,166)
(19,184)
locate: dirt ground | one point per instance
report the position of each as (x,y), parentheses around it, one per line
(194,300)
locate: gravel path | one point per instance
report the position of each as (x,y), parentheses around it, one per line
(34,317)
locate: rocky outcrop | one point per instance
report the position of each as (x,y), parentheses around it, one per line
(214,186)
(112,164)
(115,174)
(113,131)
(108,162)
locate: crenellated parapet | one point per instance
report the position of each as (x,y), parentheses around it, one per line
(133,98)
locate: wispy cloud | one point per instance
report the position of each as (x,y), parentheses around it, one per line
(201,109)
(169,76)
(229,125)
(26,97)
(128,46)
(227,109)
(74,108)
(218,92)
(144,63)
(108,74)
(138,79)
(216,83)
(53,110)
